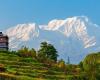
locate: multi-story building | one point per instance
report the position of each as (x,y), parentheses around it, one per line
(4,41)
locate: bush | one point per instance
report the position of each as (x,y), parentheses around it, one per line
(28,60)
(25,52)
(61,64)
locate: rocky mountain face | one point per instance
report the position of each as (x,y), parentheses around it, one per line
(74,37)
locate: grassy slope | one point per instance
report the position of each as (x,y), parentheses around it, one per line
(28,69)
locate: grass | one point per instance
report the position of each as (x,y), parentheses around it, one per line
(19,68)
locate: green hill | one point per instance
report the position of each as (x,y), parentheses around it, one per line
(27,69)
(14,67)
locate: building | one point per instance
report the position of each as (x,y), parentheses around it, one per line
(4,41)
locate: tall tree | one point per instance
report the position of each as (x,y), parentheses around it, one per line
(48,51)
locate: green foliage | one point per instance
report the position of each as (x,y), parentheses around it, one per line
(28,60)
(81,66)
(25,52)
(91,66)
(61,64)
(47,51)
(76,77)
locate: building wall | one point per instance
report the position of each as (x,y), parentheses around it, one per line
(3,42)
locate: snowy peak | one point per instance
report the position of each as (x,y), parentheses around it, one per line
(68,26)
(73,36)
(56,24)
(23,31)
(75,27)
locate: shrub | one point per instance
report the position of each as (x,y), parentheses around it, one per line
(25,52)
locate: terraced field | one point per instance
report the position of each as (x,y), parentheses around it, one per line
(19,68)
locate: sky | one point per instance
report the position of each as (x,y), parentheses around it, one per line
(13,12)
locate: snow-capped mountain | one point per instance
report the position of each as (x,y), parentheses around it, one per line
(73,37)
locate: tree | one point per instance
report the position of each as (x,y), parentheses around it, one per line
(81,66)
(32,52)
(52,53)
(26,52)
(61,64)
(23,51)
(47,51)
(90,65)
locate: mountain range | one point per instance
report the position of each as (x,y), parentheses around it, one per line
(74,37)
